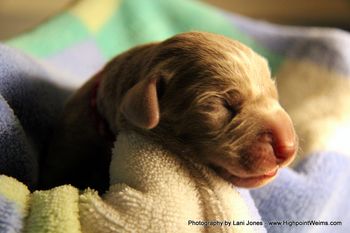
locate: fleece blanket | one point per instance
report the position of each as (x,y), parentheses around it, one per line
(39,69)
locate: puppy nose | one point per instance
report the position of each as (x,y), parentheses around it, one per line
(279,130)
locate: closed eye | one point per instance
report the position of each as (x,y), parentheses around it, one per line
(233,110)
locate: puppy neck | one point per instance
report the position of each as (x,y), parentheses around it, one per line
(99,121)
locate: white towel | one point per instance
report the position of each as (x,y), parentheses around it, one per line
(153,190)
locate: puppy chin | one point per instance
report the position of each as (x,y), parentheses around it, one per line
(247,181)
(252,182)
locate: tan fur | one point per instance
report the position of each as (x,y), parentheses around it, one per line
(215,98)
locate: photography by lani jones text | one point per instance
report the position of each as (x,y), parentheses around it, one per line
(277,223)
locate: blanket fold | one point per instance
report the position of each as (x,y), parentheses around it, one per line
(30,103)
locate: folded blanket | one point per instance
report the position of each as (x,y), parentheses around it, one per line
(311,66)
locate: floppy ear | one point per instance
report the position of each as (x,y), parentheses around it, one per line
(140,104)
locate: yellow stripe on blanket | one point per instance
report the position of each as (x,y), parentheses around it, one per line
(14,191)
(54,211)
(94,14)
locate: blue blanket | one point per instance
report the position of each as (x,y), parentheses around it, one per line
(29,104)
(311,65)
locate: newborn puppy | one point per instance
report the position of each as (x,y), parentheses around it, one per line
(198,94)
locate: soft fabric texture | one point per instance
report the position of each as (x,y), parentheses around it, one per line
(49,211)
(153,190)
(139,199)
(14,197)
(54,210)
(105,28)
(311,66)
(317,190)
(30,102)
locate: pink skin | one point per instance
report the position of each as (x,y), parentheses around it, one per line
(275,148)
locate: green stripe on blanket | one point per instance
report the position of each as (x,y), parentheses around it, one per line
(118,25)
(52,37)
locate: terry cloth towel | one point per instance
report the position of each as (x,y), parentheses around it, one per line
(131,208)
(54,211)
(50,211)
(13,204)
(153,190)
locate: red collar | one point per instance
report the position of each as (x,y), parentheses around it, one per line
(101,125)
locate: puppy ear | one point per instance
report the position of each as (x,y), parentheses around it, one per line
(140,104)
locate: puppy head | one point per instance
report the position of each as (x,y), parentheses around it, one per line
(213,97)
